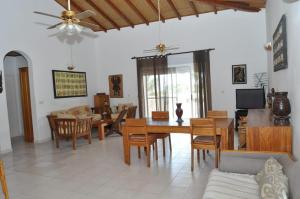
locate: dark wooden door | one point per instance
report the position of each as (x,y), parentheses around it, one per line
(26,104)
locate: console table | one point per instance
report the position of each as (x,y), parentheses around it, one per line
(264,136)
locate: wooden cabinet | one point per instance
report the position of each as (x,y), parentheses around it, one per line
(263,135)
(100,102)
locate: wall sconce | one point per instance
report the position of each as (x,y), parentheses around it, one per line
(268,46)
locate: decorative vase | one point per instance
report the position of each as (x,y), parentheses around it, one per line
(281,108)
(179,112)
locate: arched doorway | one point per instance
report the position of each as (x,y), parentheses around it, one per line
(17,85)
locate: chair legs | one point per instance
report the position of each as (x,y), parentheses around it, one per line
(74,142)
(164,147)
(192,159)
(90,138)
(57,141)
(139,152)
(3,181)
(170,143)
(148,156)
(156,153)
(198,155)
(203,153)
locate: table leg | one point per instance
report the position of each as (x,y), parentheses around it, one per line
(126,147)
(101,130)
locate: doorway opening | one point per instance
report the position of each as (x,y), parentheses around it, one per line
(17,86)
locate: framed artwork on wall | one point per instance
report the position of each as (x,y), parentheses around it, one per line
(1,85)
(280,60)
(69,84)
(115,86)
(239,74)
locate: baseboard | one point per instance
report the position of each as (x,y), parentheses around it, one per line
(42,140)
(6,151)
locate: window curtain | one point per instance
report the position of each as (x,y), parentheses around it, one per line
(152,84)
(203,88)
(160,85)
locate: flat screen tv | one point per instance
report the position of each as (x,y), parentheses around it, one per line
(250,98)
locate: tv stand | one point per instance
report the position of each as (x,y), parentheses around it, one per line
(238,114)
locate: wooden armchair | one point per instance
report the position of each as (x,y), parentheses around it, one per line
(203,136)
(131,112)
(115,127)
(51,119)
(73,128)
(136,130)
(3,181)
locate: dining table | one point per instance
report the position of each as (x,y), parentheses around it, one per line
(224,128)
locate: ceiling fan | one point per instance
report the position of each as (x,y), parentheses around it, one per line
(71,22)
(160,48)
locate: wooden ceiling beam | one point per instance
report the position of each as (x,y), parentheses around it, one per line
(137,11)
(174,9)
(101,12)
(192,4)
(78,9)
(115,8)
(155,10)
(230,4)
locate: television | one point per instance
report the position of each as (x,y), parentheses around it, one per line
(250,98)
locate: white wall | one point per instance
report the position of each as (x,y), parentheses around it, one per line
(238,38)
(25,32)
(12,82)
(288,79)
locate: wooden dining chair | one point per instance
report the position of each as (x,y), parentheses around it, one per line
(74,129)
(131,112)
(203,136)
(3,181)
(217,114)
(136,130)
(162,116)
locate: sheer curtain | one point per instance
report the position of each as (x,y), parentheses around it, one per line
(164,81)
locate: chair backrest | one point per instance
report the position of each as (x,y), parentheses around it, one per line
(51,119)
(84,126)
(160,115)
(203,126)
(65,127)
(131,112)
(217,114)
(119,119)
(136,126)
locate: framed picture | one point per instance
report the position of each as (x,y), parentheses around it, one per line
(280,59)
(239,74)
(115,86)
(69,84)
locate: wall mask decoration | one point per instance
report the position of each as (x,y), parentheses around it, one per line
(115,86)
(69,84)
(239,74)
(280,60)
(1,85)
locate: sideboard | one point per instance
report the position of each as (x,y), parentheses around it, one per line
(264,136)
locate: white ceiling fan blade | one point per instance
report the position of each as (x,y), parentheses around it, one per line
(54,26)
(89,25)
(46,14)
(85,14)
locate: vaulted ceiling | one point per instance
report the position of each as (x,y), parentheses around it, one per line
(117,14)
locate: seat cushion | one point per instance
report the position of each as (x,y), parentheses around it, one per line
(222,185)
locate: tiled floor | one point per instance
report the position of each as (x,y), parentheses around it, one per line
(97,171)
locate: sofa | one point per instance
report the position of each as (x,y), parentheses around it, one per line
(269,183)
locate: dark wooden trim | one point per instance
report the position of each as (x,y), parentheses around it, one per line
(115,8)
(174,9)
(152,56)
(155,10)
(100,11)
(233,5)
(192,4)
(137,11)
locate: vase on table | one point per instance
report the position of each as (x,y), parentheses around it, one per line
(179,112)
(281,108)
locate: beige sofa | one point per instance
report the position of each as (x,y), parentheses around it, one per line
(269,183)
